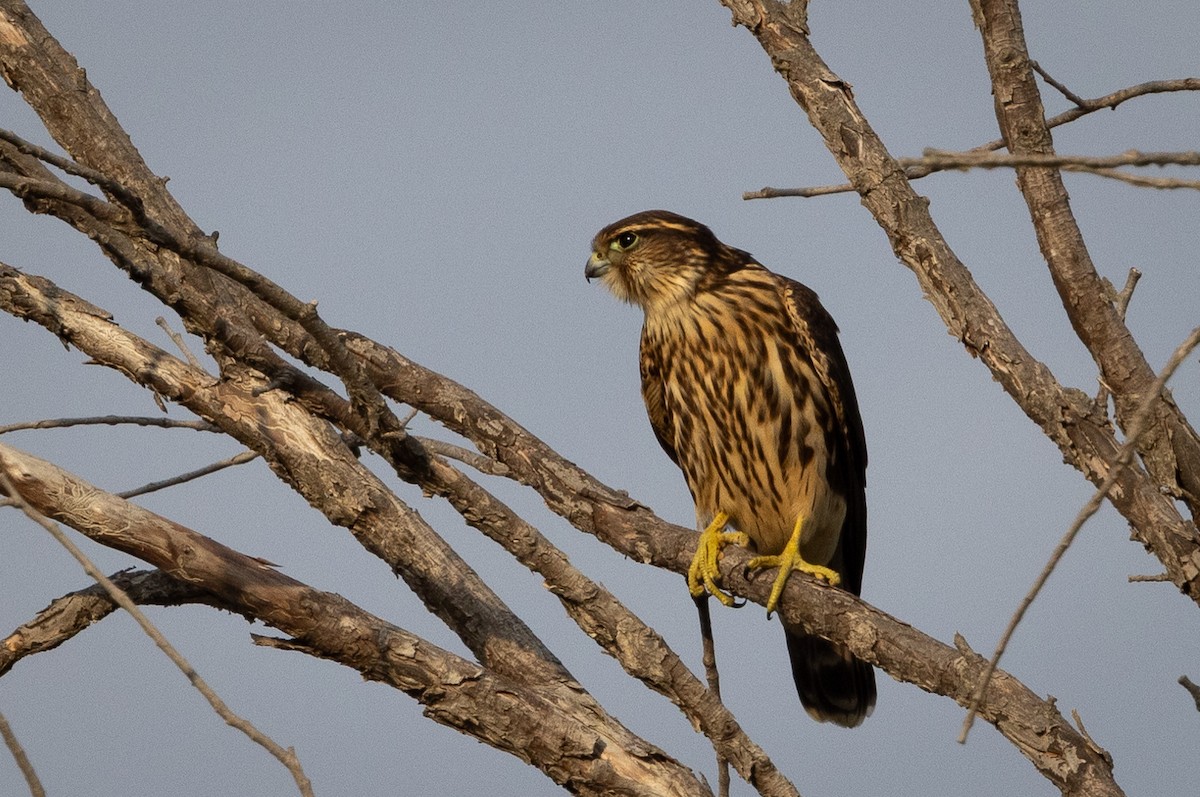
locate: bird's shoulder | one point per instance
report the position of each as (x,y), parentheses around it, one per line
(818,333)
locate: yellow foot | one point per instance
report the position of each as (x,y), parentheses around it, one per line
(704,575)
(788,561)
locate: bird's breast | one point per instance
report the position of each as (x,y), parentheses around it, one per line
(746,414)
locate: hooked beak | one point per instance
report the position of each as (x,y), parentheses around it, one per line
(597,266)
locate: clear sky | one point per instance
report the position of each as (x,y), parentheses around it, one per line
(433,174)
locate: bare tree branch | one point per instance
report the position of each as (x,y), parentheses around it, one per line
(632,529)
(286,757)
(71,167)
(894,646)
(179,342)
(306,452)
(192,475)
(1138,180)
(1112,100)
(1080,102)
(289,436)
(942,159)
(74,612)
(308,455)
(594,608)
(111,420)
(23,763)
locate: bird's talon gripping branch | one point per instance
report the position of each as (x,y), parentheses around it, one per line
(788,561)
(704,575)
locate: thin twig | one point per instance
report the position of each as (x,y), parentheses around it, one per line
(1157,577)
(179,342)
(1124,455)
(1088,737)
(1137,180)
(286,757)
(480,462)
(1066,92)
(817,190)
(236,459)
(114,420)
(1120,302)
(98,179)
(1112,101)
(364,394)
(23,762)
(1083,108)
(916,168)
(941,160)
(709,660)
(1126,293)
(110,420)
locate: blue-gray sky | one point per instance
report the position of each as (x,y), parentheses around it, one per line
(433,175)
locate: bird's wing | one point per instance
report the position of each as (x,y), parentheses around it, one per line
(819,335)
(653,393)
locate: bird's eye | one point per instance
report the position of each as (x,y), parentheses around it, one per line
(626,241)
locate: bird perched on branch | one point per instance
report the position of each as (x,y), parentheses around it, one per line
(749,393)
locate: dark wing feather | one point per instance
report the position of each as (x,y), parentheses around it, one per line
(833,685)
(650,365)
(847,474)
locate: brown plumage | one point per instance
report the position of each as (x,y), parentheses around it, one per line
(748,392)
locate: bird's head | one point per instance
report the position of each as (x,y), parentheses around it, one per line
(656,258)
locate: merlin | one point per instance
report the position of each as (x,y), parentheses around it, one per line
(748,392)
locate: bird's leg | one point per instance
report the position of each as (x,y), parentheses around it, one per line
(704,574)
(790,560)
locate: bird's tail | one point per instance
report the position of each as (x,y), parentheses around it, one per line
(833,685)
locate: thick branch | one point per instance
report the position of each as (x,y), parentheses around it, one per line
(74,612)
(1033,725)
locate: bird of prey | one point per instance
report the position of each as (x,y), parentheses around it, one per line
(749,393)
